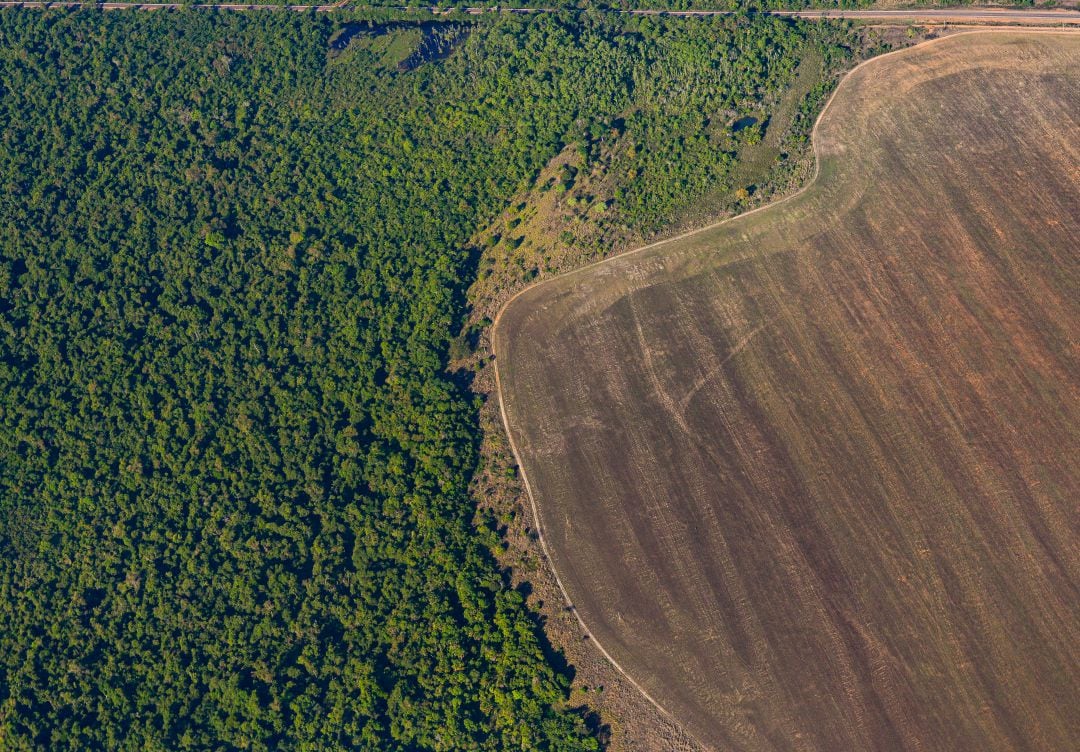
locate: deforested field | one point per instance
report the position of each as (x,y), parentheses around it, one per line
(812,477)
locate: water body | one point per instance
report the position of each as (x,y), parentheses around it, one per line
(743,123)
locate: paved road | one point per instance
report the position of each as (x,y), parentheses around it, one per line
(962,14)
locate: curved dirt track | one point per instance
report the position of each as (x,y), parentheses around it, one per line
(810,476)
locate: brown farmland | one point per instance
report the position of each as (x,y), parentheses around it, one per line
(811,477)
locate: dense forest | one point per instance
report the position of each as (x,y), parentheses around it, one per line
(234,471)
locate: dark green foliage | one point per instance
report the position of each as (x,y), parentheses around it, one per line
(234,505)
(233,471)
(692,79)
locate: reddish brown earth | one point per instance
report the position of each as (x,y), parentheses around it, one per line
(812,477)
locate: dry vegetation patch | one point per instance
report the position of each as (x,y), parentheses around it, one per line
(811,476)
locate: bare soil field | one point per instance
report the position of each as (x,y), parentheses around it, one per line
(811,477)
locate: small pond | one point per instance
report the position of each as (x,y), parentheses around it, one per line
(743,123)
